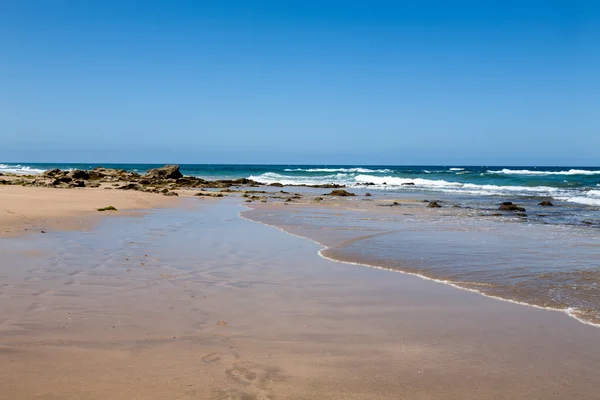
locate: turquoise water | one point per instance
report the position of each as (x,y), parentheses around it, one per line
(576,185)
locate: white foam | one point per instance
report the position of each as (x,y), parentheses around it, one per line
(593,193)
(19,169)
(530,172)
(351,170)
(581,200)
(457,169)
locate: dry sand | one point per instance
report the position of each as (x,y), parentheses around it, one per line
(33,209)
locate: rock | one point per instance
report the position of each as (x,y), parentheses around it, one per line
(408,184)
(78,184)
(341,193)
(171,194)
(1,174)
(79,174)
(546,204)
(319,198)
(367,194)
(166,172)
(276,184)
(53,173)
(509,206)
(109,208)
(129,186)
(434,204)
(248,201)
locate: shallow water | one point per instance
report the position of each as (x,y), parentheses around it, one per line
(546,265)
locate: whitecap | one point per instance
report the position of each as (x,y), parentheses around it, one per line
(530,172)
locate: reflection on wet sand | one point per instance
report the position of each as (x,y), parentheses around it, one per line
(199,303)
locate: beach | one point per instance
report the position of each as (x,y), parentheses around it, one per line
(207,298)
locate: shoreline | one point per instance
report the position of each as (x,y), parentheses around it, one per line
(242,310)
(569,311)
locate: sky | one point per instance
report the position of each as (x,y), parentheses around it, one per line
(305,82)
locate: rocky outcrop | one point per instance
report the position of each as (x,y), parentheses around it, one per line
(509,206)
(341,193)
(166,172)
(546,204)
(434,204)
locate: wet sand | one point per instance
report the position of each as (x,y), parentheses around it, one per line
(197,303)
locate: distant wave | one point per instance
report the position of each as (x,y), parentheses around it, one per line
(351,170)
(581,200)
(530,172)
(19,169)
(457,169)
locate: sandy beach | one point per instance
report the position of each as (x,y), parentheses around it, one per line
(190,301)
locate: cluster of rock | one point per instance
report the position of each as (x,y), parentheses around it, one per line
(157,180)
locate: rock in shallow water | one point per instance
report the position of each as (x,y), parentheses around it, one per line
(509,206)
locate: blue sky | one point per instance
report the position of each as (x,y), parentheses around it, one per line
(331,82)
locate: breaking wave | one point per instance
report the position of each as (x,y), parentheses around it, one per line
(531,172)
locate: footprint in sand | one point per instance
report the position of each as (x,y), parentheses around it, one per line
(249,373)
(218,357)
(212,358)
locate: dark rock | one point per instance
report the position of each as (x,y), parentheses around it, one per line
(276,184)
(79,174)
(434,204)
(509,206)
(408,184)
(53,173)
(546,204)
(319,198)
(129,186)
(166,172)
(587,222)
(341,193)
(368,194)
(171,194)
(78,184)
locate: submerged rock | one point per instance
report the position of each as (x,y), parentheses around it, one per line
(408,184)
(341,193)
(434,204)
(546,204)
(509,206)
(276,184)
